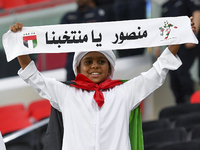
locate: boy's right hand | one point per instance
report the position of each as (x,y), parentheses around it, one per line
(16,27)
(24,60)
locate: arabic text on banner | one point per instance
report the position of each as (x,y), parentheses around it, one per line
(99,36)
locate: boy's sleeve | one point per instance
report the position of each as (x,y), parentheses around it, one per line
(47,88)
(28,71)
(167,61)
(142,86)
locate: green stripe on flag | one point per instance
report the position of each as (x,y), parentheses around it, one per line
(34,43)
(135,128)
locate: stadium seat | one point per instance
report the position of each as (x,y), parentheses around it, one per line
(1,4)
(11,107)
(188,121)
(37,1)
(28,141)
(13,114)
(195,97)
(39,109)
(13,117)
(172,112)
(14,123)
(40,114)
(195,133)
(42,135)
(13,3)
(165,136)
(19,146)
(51,61)
(190,145)
(156,125)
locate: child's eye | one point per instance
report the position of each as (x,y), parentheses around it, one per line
(88,62)
(102,61)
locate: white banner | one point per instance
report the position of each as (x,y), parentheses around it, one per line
(99,36)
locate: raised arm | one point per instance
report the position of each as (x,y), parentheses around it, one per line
(24,60)
(174,48)
(196,20)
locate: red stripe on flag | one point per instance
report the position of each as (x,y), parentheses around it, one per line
(32,37)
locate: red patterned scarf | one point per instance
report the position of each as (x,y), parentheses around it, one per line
(83,82)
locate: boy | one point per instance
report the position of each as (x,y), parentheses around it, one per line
(96,109)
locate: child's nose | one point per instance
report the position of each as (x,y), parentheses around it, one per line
(95,65)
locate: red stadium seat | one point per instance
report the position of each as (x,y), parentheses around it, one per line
(40,114)
(39,110)
(13,3)
(12,107)
(195,97)
(14,125)
(12,114)
(14,121)
(51,61)
(37,1)
(13,117)
(1,4)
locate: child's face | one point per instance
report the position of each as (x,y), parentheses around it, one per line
(95,66)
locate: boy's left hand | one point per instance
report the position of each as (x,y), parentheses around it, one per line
(193,25)
(191,45)
(174,48)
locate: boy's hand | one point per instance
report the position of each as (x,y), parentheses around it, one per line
(193,25)
(16,27)
(174,48)
(191,45)
(24,60)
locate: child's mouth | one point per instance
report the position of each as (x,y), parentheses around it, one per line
(95,74)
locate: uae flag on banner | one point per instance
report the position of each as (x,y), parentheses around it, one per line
(30,39)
